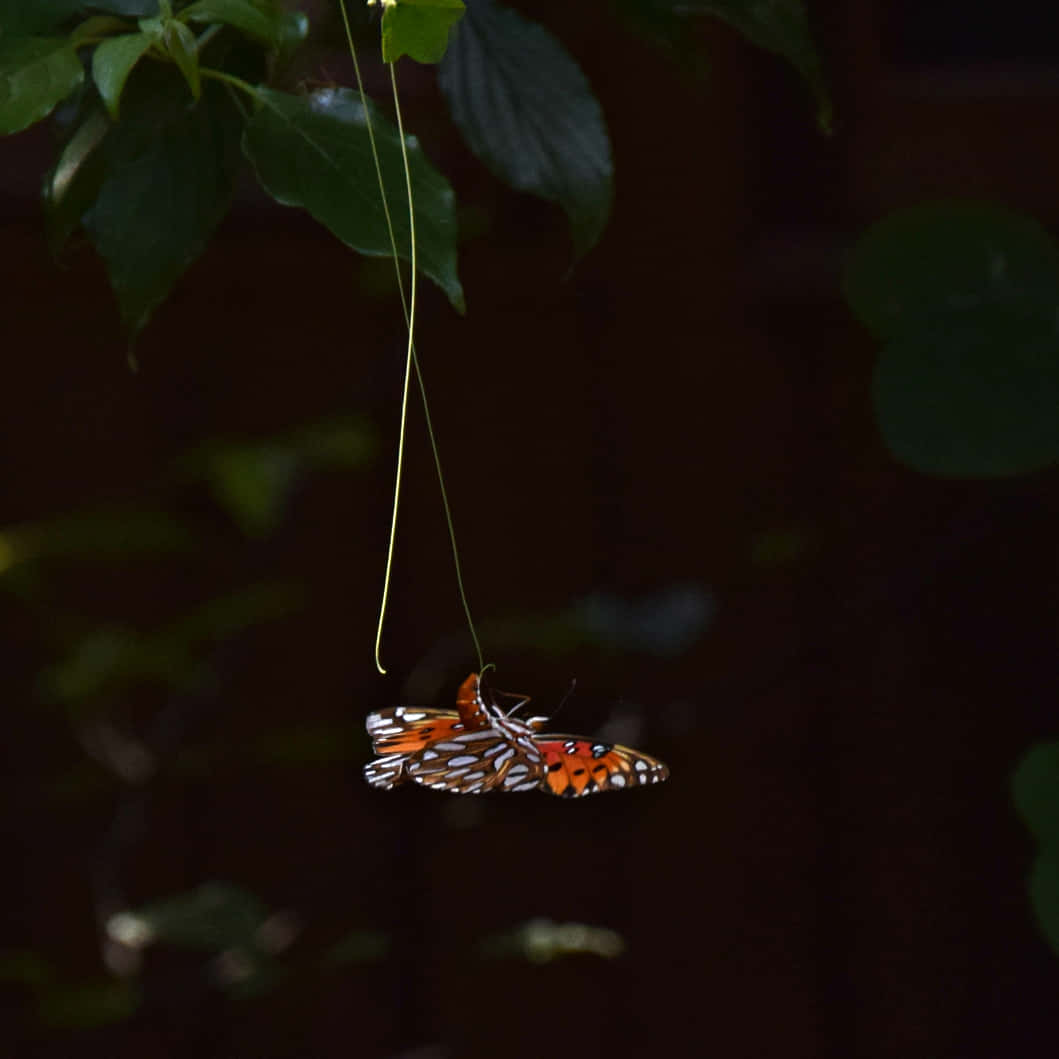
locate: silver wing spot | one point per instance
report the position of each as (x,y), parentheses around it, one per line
(384,772)
(486,733)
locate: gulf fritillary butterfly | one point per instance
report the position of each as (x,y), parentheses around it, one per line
(479,747)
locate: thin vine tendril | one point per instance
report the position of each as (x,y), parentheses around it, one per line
(411,361)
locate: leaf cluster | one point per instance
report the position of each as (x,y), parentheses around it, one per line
(161,103)
(1036,792)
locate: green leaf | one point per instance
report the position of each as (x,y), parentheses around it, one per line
(358,946)
(252,482)
(542,940)
(778,26)
(259,19)
(1044,894)
(118,533)
(128,8)
(111,659)
(216,916)
(86,1005)
(526,109)
(25,966)
(313,151)
(36,73)
(1035,787)
(934,260)
(97,26)
(72,186)
(154,28)
(336,443)
(180,42)
(108,659)
(966,298)
(170,167)
(112,62)
(418,29)
(225,616)
(25,18)
(972,396)
(293,29)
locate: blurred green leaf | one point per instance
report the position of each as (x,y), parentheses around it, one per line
(252,482)
(128,8)
(36,73)
(542,941)
(215,916)
(782,546)
(86,1005)
(418,29)
(1035,787)
(313,151)
(966,298)
(658,23)
(338,443)
(25,18)
(104,534)
(219,918)
(358,946)
(973,395)
(72,186)
(170,169)
(526,109)
(111,658)
(293,29)
(946,261)
(112,62)
(1044,894)
(98,26)
(310,745)
(665,623)
(226,615)
(24,966)
(778,26)
(260,19)
(181,45)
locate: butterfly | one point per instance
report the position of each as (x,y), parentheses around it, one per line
(480,747)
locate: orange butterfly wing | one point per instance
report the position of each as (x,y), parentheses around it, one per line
(400,732)
(575,766)
(404,730)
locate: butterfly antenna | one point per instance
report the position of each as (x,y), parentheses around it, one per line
(563,700)
(523,699)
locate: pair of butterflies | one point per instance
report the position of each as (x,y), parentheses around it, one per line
(480,747)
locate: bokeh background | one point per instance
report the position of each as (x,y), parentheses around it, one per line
(667,484)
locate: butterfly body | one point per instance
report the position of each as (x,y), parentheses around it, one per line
(480,747)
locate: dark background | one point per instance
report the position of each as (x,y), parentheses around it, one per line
(834,868)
